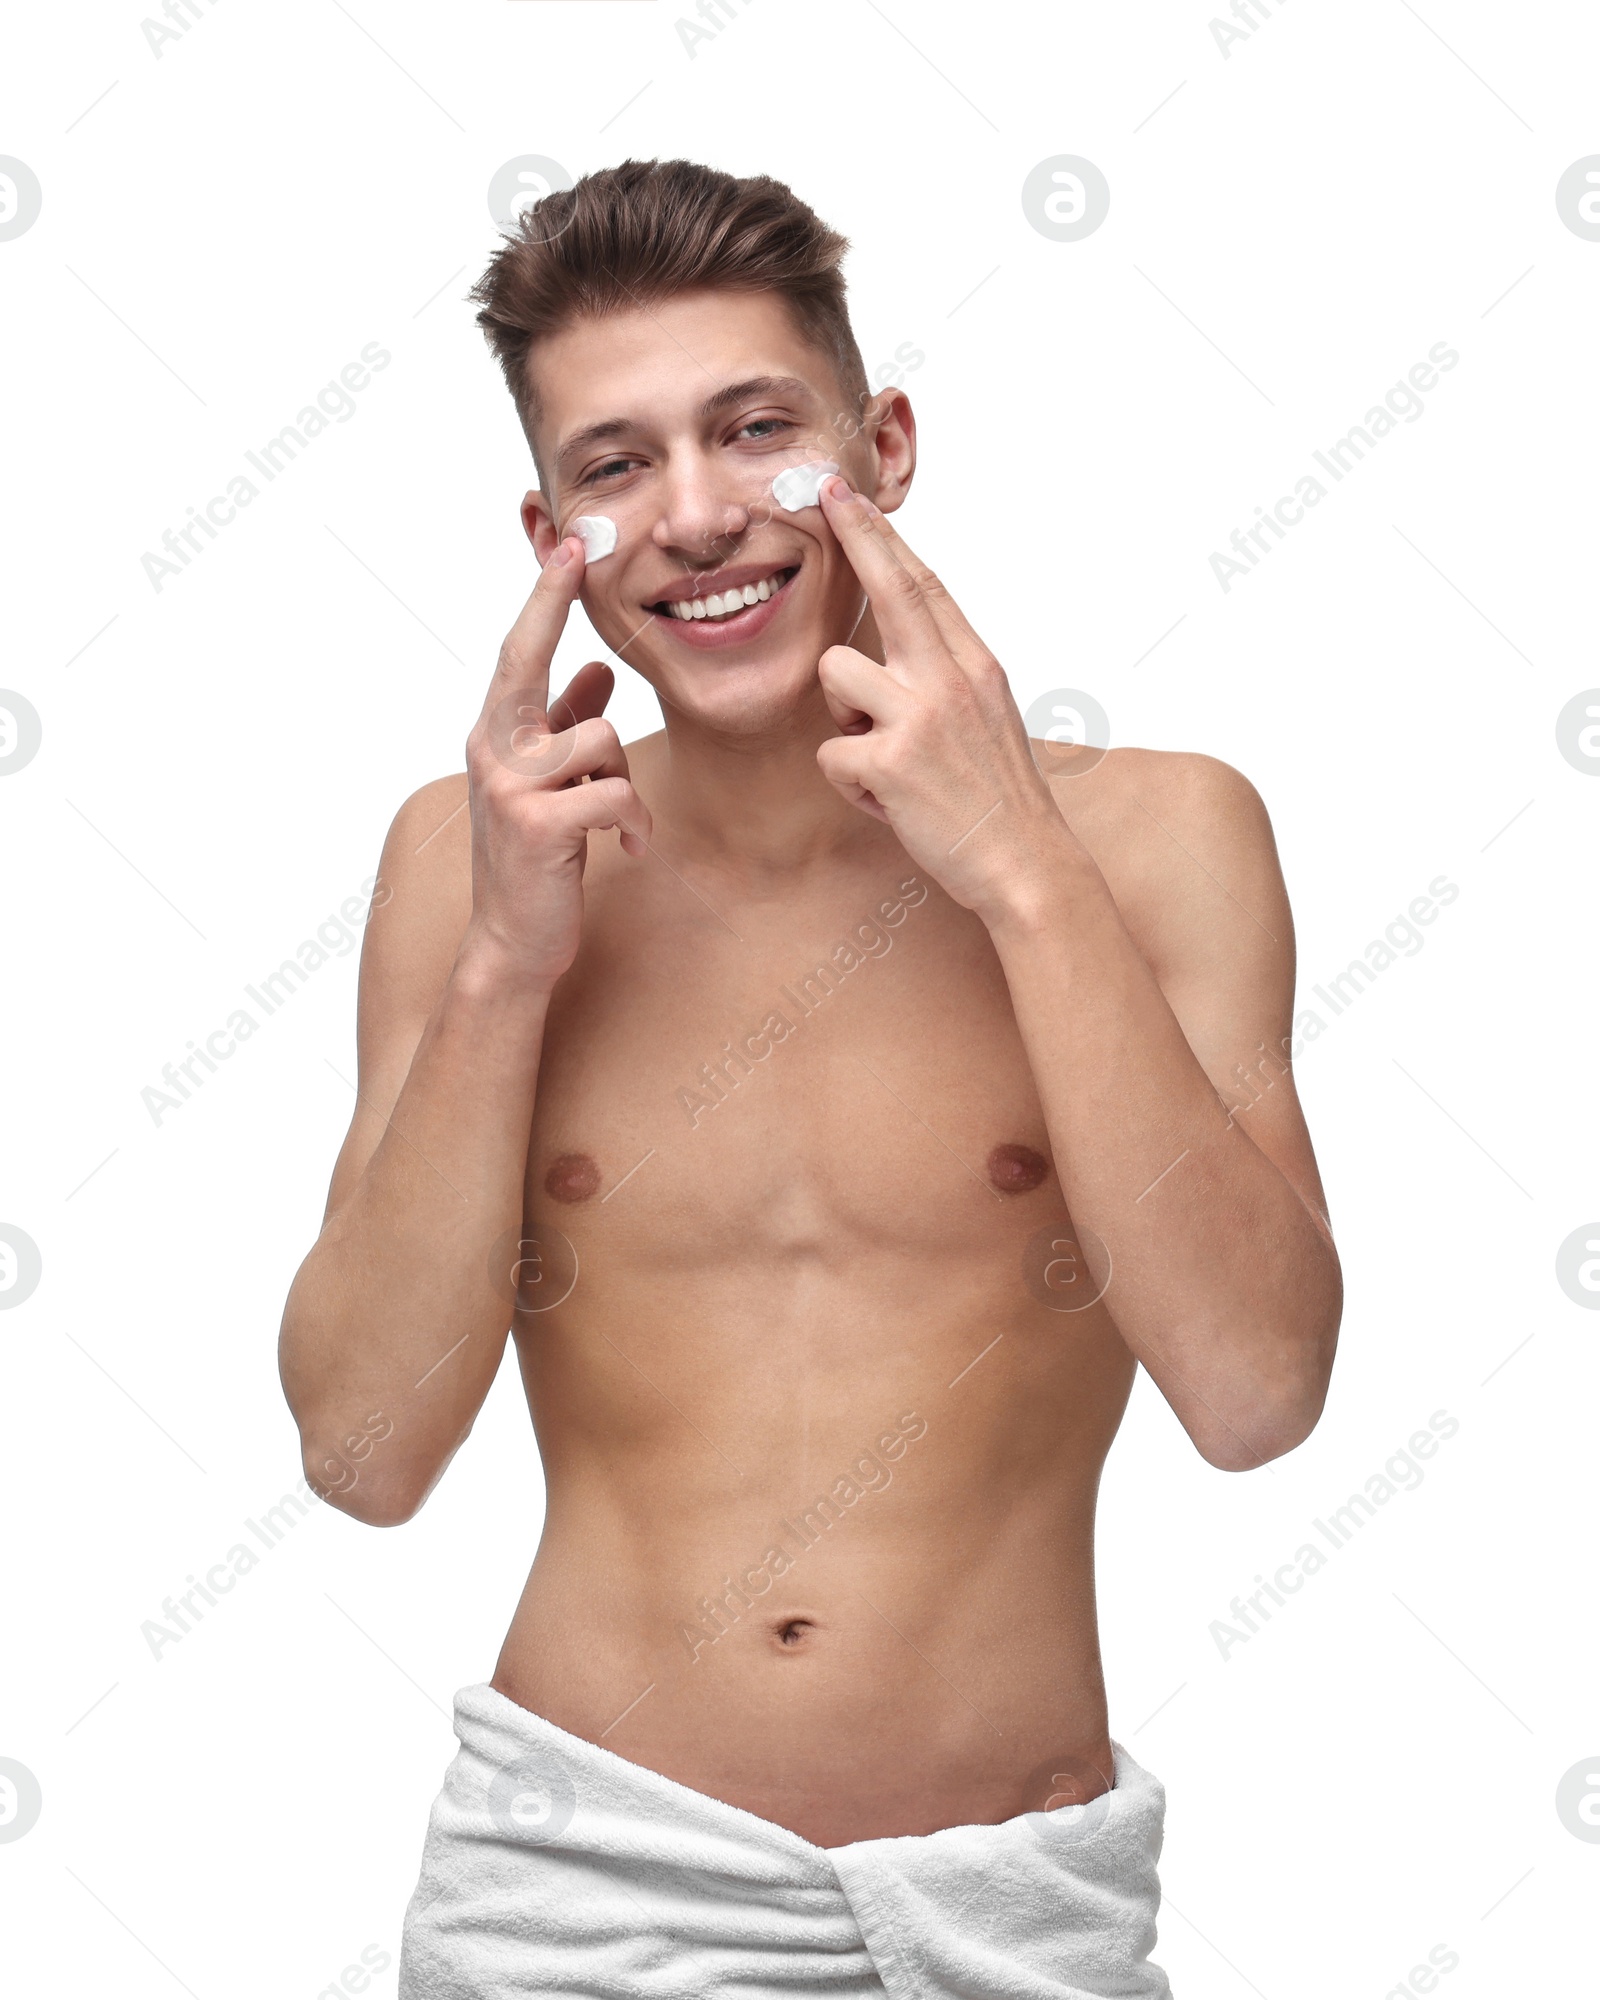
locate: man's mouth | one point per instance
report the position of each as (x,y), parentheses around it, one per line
(736,596)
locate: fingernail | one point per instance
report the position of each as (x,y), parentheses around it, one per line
(561,556)
(841,490)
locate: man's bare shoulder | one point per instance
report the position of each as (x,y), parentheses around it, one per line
(1187,785)
(1187,847)
(427,871)
(434,806)
(423,900)
(427,854)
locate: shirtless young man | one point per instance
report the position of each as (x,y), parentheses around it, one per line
(751,1076)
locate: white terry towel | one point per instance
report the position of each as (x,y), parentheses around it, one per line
(553,1866)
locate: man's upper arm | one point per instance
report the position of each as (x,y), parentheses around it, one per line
(420,908)
(1220,939)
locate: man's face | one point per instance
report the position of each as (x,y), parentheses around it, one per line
(673,422)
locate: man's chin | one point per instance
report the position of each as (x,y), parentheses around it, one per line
(753,694)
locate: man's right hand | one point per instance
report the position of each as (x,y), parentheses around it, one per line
(532,813)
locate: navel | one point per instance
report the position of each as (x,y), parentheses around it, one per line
(1017,1169)
(572,1177)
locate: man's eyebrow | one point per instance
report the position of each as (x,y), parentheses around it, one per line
(755,387)
(612,427)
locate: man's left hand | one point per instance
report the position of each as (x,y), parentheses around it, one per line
(932,740)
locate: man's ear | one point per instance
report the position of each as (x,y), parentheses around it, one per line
(539,523)
(892,432)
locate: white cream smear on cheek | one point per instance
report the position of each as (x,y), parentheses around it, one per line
(798,486)
(598,534)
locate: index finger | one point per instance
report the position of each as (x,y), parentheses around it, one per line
(957,634)
(525,653)
(905,619)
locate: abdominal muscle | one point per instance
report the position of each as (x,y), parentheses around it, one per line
(851,1594)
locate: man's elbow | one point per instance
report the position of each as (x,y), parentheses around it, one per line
(1266,1437)
(374,1501)
(1273,1420)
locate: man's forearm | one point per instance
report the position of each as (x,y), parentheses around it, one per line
(1224,1283)
(395,1313)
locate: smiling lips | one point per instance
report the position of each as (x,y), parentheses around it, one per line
(724,603)
(743,605)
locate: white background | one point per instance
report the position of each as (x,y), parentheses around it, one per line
(1293,225)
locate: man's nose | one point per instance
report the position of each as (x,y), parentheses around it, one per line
(702,514)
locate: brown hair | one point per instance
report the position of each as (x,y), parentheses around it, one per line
(647,230)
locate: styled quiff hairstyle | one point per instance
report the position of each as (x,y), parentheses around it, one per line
(632,235)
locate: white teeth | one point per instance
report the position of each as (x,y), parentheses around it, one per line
(722,604)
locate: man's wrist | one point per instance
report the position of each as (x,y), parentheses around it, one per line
(488,973)
(1040,897)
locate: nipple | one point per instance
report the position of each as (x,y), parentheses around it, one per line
(1016,1169)
(572,1177)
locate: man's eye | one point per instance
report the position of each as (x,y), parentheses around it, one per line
(606,470)
(765,427)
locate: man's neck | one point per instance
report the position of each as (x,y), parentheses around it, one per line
(756,806)
(753,807)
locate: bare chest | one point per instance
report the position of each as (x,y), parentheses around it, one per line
(818,1083)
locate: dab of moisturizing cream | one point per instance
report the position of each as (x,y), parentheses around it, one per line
(598,534)
(799,485)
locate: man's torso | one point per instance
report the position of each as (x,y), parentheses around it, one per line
(821,1435)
